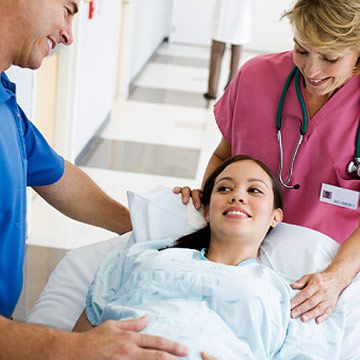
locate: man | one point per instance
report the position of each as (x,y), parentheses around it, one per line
(28,30)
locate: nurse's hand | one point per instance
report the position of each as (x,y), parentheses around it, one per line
(318,296)
(187,193)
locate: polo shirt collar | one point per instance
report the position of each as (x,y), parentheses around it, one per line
(7,88)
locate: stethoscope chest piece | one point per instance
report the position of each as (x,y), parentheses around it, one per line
(353,168)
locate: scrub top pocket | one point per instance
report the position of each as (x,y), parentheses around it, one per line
(345,180)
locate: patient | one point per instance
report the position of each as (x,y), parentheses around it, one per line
(207,290)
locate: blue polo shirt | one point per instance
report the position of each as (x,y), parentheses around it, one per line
(26,159)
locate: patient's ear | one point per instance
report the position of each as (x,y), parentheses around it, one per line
(206,213)
(277,217)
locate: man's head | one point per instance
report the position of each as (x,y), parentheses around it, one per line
(35,27)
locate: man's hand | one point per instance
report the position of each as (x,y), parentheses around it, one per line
(318,297)
(121,340)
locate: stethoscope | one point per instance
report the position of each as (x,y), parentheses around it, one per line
(353,167)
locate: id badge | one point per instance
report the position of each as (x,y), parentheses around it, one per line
(339,196)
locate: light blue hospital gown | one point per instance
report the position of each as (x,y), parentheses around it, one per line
(231,312)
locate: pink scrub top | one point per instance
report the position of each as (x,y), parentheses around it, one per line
(246,116)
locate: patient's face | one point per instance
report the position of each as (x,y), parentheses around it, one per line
(242,204)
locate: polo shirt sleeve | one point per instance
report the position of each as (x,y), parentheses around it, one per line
(44,165)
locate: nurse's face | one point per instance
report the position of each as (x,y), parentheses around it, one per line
(324,72)
(43,24)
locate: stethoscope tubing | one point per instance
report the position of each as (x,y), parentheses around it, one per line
(295,73)
(353,167)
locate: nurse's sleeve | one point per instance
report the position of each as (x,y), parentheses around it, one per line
(224,109)
(108,280)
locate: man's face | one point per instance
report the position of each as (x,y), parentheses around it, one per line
(44,24)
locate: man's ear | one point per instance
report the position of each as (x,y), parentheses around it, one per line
(277,217)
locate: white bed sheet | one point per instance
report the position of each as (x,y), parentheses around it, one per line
(290,249)
(63,298)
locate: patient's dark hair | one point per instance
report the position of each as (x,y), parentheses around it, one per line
(200,239)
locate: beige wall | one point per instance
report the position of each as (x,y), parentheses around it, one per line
(45,97)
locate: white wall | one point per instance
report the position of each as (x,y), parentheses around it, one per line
(191,24)
(268,32)
(152,21)
(25,88)
(96,69)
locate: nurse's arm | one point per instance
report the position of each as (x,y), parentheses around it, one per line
(221,153)
(321,291)
(77,196)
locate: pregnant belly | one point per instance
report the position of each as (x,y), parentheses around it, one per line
(189,322)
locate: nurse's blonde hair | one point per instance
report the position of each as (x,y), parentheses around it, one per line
(333,25)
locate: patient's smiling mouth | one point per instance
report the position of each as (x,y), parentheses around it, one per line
(236,212)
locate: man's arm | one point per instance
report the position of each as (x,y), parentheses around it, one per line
(112,340)
(83,324)
(78,197)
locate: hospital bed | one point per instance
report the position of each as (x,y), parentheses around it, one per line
(289,249)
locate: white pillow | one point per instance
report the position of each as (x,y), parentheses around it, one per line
(295,250)
(160,214)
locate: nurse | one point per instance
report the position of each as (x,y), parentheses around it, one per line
(316,190)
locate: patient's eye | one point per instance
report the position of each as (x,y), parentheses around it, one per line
(255,190)
(224,189)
